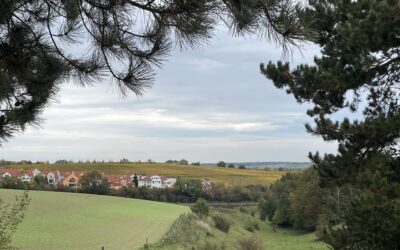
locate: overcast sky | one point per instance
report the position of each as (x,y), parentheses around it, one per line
(206,105)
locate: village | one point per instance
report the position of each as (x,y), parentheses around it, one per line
(71,179)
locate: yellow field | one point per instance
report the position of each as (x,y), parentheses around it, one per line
(227,176)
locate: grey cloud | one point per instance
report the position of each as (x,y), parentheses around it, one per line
(206,105)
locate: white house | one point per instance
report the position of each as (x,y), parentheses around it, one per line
(6,174)
(36,172)
(51,178)
(151,181)
(156,181)
(25,178)
(9,173)
(169,182)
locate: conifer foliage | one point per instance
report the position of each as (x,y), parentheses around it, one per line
(45,42)
(358,71)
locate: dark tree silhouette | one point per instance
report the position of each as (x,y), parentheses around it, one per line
(45,42)
(359,70)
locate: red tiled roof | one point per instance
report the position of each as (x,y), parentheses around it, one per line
(115,180)
(65,173)
(13,172)
(29,172)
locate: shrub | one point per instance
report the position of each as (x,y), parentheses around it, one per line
(221,222)
(250,243)
(321,227)
(163,198)
(200,208)
(184,230)
(251,225)
(204,227)
(208,245)
(267,208)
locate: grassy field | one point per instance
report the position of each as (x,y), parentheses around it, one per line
(191,232)
(80,221)
(227,176)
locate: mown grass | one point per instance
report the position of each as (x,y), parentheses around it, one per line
(80,221)
(227,176)
(191,232)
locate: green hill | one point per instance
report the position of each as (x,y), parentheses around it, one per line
(80,221)
(192,232)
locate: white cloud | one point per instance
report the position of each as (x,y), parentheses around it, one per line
(207,105)
(159,118)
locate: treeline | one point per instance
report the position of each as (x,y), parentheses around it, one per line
(175,195)
(297,200)
(186,189)
(64,161)
(121,161)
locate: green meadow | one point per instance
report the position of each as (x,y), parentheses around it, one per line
(80,221)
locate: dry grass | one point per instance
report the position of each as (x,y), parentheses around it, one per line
(227,176)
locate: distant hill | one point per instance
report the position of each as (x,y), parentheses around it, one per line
(262,165)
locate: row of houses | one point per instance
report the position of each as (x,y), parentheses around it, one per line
(71,179)
(55,178)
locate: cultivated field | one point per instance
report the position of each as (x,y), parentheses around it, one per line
(80,221)
(227,176)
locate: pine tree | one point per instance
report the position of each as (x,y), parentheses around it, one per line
(127,40)
(359,70)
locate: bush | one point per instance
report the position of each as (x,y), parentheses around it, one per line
(267,208)
(163,198)
(184,230)
(221,222)
(250,243)
(208,245)
(200,208)
(251,225)
(205,227)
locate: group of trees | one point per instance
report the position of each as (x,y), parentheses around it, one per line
(298,200)
(358,72)
(183,162)
(94,183)
(189,189)
(22,162)
(223,164)
(180,162)
(38,183)
(295,200)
